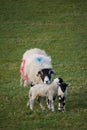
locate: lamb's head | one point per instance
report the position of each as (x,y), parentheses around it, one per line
(56,81)
(62,84)
(46,75)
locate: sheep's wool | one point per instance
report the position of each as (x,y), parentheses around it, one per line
(33,61)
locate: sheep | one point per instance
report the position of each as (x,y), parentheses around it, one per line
(36,67)
(43,90)
(62,93)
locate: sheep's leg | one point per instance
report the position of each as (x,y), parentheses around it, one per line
(52,105)
(25,83)
(21,81)
(47,101)
(59,107)
(31,103)
(54,97)
(59,104)
(28,103)
(64,99)
(40,103)
(49,104)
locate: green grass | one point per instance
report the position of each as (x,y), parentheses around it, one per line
(60,28)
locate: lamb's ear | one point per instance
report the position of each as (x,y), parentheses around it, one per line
(61,80)
(67,84)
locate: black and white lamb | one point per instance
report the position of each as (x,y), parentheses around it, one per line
(36,67)
(62,93)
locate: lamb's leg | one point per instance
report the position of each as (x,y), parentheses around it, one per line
(49,104)
(28,104)
(59,104)
(40,103)
(31,103)
(52,105)
(64,101)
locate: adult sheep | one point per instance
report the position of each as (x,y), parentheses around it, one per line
(36,67)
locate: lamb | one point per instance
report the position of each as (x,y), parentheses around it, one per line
(43,90)
(36,67)
(62,93)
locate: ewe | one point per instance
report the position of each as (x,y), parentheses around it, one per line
(36,67)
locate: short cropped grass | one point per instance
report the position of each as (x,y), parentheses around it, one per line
(60,28)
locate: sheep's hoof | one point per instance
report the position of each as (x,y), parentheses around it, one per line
(43,108)
(59,109)
(53,110)
(49,107)
(63,110)
(28,104)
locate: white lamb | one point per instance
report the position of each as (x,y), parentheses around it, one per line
(36,67)
(43,90)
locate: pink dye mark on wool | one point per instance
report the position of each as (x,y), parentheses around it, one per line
(25,77)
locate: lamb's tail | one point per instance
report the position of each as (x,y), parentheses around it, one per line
(30,94)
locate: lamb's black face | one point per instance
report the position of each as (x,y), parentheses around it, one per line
(60,80)
(63,85)
(46,75)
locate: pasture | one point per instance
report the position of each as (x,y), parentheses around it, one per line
(60,28)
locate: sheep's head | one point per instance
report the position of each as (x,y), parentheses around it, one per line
(46,75)
(61,83)
(56,81)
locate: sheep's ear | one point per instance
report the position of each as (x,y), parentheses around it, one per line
(61,80)
(52,72)
(39,73)
(67,85)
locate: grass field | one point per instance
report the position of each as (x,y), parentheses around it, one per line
(60,28)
